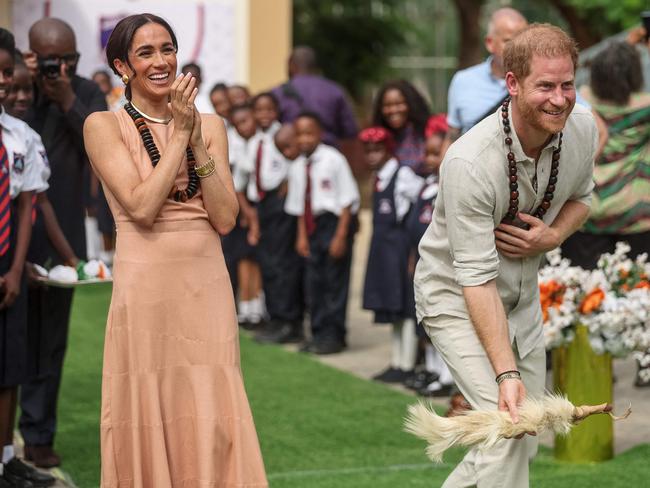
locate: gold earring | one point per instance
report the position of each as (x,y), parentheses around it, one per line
(125,79)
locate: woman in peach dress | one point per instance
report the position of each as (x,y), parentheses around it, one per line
(174,409)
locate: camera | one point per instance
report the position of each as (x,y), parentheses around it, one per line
(49,68)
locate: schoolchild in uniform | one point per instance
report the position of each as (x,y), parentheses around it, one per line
(20,167)
(243,238)
(220,102)
(257,158)
(260,165)
(326,196)
(435,380)
(281,266)
(16,104)
(387,285)
(238,95)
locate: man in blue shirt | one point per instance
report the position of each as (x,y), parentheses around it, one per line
(476,91)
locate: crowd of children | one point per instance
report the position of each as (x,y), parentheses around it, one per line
(291,251)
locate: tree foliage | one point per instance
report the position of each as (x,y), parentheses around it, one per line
(352,38)
(593,20)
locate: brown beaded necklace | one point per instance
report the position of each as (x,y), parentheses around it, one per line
(176,194)
(512,172)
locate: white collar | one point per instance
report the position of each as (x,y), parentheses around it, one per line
(388,169)
(8,122)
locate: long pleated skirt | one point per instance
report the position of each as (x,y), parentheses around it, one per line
(174,409)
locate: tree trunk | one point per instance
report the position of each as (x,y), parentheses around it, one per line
(580,30)
(470,50)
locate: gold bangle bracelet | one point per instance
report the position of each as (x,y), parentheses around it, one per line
(205,169)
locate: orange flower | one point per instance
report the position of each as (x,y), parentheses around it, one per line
(592,301)
(551,294)
(642,284)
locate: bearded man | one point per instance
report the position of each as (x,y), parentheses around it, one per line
(526,170)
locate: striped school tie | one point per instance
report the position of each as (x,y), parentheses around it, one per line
(258,171)
(310,221)
(5,200)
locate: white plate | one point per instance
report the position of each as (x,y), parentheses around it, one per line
(73,284)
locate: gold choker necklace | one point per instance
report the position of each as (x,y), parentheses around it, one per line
(149,117)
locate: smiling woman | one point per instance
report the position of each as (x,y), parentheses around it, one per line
(401,109)
(174,409)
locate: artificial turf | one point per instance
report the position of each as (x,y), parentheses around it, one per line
(318,427)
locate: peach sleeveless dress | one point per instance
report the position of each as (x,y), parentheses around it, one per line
(174,410)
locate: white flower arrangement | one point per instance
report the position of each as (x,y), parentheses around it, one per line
(612,301)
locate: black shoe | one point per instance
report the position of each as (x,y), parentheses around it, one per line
(436,390)
(305,347)
(390,375)
(43,456)
(420,380)
(285,333)
(20,469)
(268,329)
(8,480)
(325,347)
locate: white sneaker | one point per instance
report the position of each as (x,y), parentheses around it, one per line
(243,312)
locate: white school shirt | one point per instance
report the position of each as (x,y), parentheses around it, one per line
(333,187)
(26,158)
(234,139)
(273,165)
(431,187)
(407,186)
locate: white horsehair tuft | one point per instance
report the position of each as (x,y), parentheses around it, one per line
(484,428)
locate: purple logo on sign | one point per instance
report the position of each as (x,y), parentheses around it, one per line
(106,26)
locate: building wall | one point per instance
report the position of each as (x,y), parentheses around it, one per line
(270,42)
(234,41)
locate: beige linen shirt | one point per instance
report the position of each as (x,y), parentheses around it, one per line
(458,248)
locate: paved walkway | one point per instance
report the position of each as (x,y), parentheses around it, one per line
(369,352)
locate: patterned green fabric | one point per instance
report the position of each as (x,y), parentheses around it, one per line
(621,200)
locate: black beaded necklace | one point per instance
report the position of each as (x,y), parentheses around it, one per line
(176,194)
(512,173)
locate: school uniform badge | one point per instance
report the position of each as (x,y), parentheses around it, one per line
(385,206)
(19,163)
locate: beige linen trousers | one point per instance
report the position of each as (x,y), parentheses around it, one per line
(506,464)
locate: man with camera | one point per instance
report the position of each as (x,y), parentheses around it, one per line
(62,101)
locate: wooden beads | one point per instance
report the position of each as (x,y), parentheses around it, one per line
(513,206)
(154,155)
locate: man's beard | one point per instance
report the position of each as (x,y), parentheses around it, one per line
(540,121)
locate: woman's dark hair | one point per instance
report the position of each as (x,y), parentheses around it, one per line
(418,109)
(269,95)
(7,41)
(121,38)
(616,73)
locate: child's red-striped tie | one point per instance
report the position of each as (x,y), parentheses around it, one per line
(258,165)
(5,200)
(310,222)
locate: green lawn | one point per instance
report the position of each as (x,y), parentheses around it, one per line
(318,427)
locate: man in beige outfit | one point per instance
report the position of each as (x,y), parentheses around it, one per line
(514,186)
